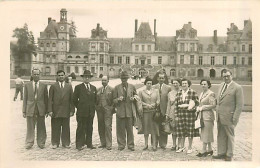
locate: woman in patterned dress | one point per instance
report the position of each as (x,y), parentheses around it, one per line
(150,97)
(170,111)
(185,115)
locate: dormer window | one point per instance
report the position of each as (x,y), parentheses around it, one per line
(77,56)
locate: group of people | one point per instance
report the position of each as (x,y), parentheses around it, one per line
(180,106)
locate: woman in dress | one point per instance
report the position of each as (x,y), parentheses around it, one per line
(207,104)
(185,109)
(150,98)
(170,111)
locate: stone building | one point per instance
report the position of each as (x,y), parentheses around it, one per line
(183,55)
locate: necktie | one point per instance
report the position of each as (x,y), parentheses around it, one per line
(224,89)
(61,84)
(103,90)
(125,93)
(160,90)
(35,90)
(87,86)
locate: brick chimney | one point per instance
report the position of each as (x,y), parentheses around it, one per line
(97,31)
(155,27)
(245,22)
(136,25)
(49,19)
(215,37)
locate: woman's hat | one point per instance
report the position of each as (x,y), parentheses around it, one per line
(87,73)
(124,75)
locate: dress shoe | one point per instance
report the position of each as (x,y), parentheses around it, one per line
(41,146)
(102,146)
(109,148)
(219,157)
(80,148)
(173,148)
(54,146)
(67,146)
(121,149)
(228,158)
(163,148)
(146,147)
(131,149)
(91,147)
(180,150)
(189,151)
(154,149)
(202,154)
(28,146)
(210,153)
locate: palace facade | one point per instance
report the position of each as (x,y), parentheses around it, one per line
(183,55)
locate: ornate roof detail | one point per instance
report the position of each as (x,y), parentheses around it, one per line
(99,33)
(144,33)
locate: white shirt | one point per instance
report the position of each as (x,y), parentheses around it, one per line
(63,84)
(87,86)
(222,91)
(184,94)
(18,81)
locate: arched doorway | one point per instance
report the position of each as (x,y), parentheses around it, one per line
(212,73)
(172,72)
(112,72)
(222,72)
(142,72)
(200,73)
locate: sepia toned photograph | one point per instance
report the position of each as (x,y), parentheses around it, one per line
(131,81)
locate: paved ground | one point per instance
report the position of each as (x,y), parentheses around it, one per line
(243,146)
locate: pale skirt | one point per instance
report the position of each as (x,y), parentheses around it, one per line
(207,131)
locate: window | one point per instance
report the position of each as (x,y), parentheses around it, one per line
(111,59)
(48,45)
(149,61)
(101,59)
(200,60)
(68,69)
(212,60)
(182,59)
(92,69)
(136,47)
(69,56)
(243,60)
(172,72)
(53,58)
(101,68)
(160,60)
(127,60)
(84,68)
(136,61)
(172,60)
(42,45)
(119,60)
(101,46)
(149,48)
(192,59)
(250,61)
(224,60)
(77,56)
(235,49)
(93,46)
(249,74)
(250,48)
(192,46)
(182,35)
(182,47)
(243,47)
(48,58)
(192,34)
(53,44)
(86,58)
(47,70)
(142,62)
(142,47)
(76,69)
(234,60)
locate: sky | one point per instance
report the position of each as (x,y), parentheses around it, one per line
(118,18)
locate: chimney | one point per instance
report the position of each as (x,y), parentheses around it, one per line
(54,20)
(189,23)
(231,25)
(215,38)
(136,25)
(98,25)
(49,19)
(245,22)
(155,27)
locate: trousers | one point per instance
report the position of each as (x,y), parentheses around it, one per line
(60,129)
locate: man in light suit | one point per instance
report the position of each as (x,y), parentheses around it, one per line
(60,108)
(104,110)
(35,105)
(163,90)
(123,99)
(85,99)
(230,102)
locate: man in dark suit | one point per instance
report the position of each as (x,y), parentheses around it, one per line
(84,99)
(123,99)
(60,108)
(104,110)
(230,103)
(35,105)
(164,89)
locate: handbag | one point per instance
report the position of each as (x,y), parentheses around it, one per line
(166,127)
(157,115)
(199,123)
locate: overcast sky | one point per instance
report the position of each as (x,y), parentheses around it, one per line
(118,17)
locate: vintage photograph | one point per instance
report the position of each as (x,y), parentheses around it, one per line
(131,81)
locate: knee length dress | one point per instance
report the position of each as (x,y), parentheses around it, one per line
(186,119)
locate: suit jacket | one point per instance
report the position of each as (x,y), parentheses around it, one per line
(207,102)
(124,108)
(230,105)
(60,100)
(152,98)
(85,100)
(164,96)
(30,102)
(108,96)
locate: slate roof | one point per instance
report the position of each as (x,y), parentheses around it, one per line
(120,44)
(165,43)
(144,33)
(51,28)
(247,31)
(207,40)
(79,45)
